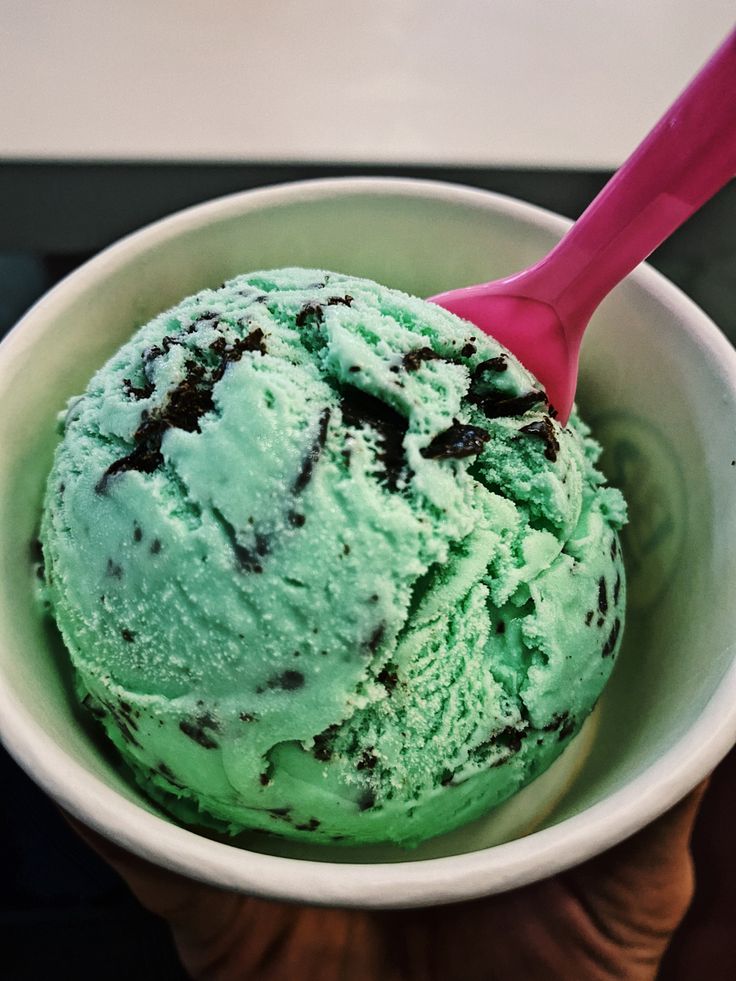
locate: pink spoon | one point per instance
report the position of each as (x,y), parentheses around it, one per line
(541,314)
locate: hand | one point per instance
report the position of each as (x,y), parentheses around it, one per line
(610,918)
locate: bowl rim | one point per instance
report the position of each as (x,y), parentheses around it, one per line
(375,885)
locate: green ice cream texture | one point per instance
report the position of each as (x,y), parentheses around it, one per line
(325,563)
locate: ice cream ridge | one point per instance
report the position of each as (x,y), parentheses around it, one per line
(325,563)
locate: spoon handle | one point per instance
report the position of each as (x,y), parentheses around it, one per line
(688,156)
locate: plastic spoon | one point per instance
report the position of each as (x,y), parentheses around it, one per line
(541,314)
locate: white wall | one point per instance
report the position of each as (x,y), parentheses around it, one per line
(487,82)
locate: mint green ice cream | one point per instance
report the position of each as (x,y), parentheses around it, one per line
(325,563)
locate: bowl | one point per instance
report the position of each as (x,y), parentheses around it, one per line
(658,385)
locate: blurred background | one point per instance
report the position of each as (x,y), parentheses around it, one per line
(113,115)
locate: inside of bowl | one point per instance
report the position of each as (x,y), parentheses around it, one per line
(654,396)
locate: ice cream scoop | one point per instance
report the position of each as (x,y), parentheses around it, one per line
(541,314)
(324,564)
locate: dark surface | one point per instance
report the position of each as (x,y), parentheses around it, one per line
(63,913)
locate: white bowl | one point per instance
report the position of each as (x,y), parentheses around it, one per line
(659,385)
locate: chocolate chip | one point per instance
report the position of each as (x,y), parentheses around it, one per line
(127,635)
(602,596)
(265,779)
(509,738)
(556,722)
(567,729)
(617,589)
(288,681)
(168,775)
(311,825)
(497,405)
(366,800)
(374,641)
(388,678)
(247,717)
(468,350)
(307,467)
(610,644)
(346,300)
(492,364)
(155,546)
(456,442)
(354,367)
(113,569)
(323,743)
(589,617)
(446,778)
(367,761)
(137,532)
(544,430)
(138,392)
(198,734)
(614,547)
(295,519)
(500,627)
(413,359)
(360,410)
(310,309)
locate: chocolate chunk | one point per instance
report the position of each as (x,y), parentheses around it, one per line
(114,570)
(311,825)
(346,300)
(456,442)
(446,778)
(610,644)
(509,738)
(143,392)
(155,546)
(307,467)
(310,309)
(185,405)
(207,721)
(567,729)
(556,721)
(127,635)
(497,405)
(288,681)
(360,410)
(354,367)
(264,779)
(323,743)
(374,641)
(198,734)
(295,519)
(366,800)
(246,559)
(500,627)
(367,761)
(492,364)
(589,617)
(280,812)
(168,775)
(388,678)
(617,589)
(137,532)
(602,597)
(614,547)
(413,359)
(468,350)
(545,430)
